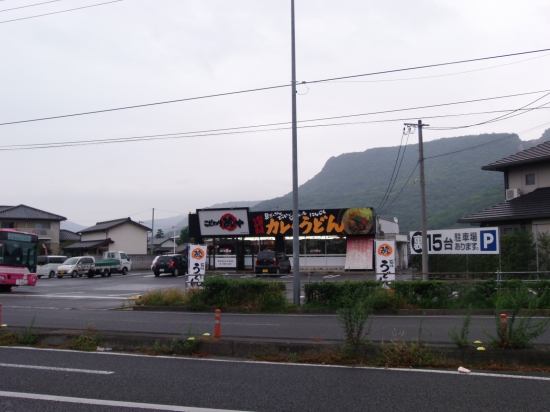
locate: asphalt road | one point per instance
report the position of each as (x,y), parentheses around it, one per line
(45,380)
(78,303)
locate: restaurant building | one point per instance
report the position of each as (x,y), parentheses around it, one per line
(329,238)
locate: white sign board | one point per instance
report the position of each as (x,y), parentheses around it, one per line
(194,282)
(223,222)
(225,262)
(468,241)
(197,260)
(385,260)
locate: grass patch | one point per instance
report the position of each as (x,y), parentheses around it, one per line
(175,296)
(88,341)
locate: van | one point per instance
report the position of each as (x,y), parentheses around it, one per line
(46,265)
(76,266)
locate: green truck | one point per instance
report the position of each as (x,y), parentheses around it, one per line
(113,262)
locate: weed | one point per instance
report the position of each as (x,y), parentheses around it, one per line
(163,297)
(401,353)
(461,339)
(518,331)
(28,337)
(8,339)
(88,341)
(353,317)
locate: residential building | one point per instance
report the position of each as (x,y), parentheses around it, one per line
(28,219)
(112,235)
(162,245)
(526,190)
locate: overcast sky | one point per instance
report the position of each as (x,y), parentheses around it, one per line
(135,52)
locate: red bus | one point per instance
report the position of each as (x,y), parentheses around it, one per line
(17,259)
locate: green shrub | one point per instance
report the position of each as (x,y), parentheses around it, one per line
(352,317)
(174,296)
(519,330)
(224,293)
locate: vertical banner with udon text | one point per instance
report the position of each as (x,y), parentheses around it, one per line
(385,260)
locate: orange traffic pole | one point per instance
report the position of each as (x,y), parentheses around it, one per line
(503,320)
(217,324)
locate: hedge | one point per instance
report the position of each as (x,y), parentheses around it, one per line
(220,292)
(429,294)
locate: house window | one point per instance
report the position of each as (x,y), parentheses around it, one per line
(8,225)
(530,179)
(42,225)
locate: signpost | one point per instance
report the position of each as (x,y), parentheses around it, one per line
(196,269)
(385,260)
(468,241)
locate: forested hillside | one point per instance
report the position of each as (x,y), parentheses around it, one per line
(455,184)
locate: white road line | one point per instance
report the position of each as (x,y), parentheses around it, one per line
(102,402)
(305,365)
(330,276)
(51,368)
(149,276)
(71,296)
(247,276)
(124,294)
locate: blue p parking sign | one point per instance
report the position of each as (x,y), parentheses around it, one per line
(488,240)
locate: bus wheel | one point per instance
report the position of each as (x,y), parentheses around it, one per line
(52,274)
(5,288)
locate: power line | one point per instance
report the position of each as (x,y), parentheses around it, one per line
(208,133)
(265,88)
(438,75)
(469,148)
(30,5)
(58,12)
(522,110)
(404,185)
(385,197)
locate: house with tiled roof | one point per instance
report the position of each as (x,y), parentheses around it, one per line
(112,235)
(31,220)
(163,245)
(526,190)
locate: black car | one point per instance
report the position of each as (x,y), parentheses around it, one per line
(269,261)
(174,264)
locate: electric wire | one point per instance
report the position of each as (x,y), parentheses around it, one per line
(265,88)
(208,133)
(30,5)
(522,111)
(61,11)
(404,185)
(469,148)
(393,171)
(439,75)
(400,163)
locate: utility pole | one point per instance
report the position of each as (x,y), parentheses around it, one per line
(153,233)
(295,216)
(425,266)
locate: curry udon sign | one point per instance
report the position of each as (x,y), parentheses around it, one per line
(315,222)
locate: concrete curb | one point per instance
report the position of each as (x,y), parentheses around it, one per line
(382,312)
(239,347)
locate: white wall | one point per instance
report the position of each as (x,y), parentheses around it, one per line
(129,238)
(516,177)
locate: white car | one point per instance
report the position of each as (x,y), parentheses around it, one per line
(76,266)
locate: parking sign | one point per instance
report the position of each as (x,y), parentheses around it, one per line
(469,241)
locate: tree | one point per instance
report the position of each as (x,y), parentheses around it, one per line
(160,234)
(184,236)
(544,250)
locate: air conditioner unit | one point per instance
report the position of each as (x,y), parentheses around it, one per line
(512,193)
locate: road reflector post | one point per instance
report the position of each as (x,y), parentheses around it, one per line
(1,325)
(503,326)
(217,324)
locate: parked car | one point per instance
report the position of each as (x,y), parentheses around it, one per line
(174,264)
(76,266)
(268,261)
(47,265)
